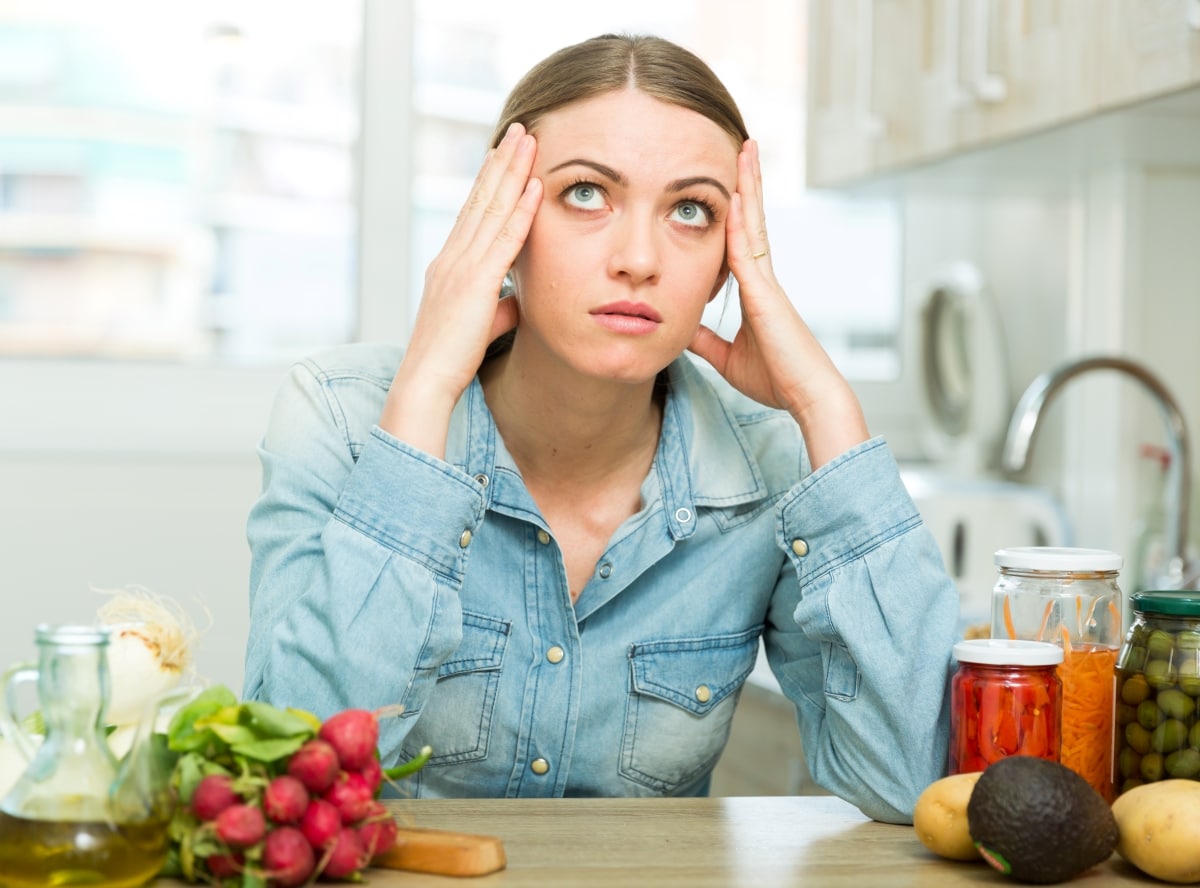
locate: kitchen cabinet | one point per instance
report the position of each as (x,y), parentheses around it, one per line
(893,83)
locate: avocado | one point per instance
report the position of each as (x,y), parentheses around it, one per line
(1038,821)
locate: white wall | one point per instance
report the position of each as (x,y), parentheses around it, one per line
(171,524)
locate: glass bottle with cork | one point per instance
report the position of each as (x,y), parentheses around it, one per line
(1069,597)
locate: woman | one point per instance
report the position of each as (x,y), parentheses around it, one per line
(553,537)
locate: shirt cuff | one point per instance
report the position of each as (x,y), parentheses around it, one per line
(844,509)
(413,503)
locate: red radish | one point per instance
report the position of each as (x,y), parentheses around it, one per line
(224,866)
(372,772)
(241,826)
(321,823)
(213,795)
(287,857)
(378,831)
(315,764)
(285,799)
(347,855)
(351,795)
(354,735)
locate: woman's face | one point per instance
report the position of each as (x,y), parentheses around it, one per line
(628,245)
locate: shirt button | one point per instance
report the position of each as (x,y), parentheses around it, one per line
(555,654)
(481,479)
(800,547)
(539,766)
(605,571)
(703,694)
(465,539)
(543,537)
(683,516)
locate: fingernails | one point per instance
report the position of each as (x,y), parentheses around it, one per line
(514,130)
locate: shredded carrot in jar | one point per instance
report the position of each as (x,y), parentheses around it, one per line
(1088,677)
(1041,636)
(1008,618)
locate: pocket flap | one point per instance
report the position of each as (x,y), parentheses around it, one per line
(482,647)
(695,674)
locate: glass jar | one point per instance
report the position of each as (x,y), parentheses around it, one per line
(1005,699)
(1158,685)
(1069,597)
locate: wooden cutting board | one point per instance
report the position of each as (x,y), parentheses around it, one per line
(445,853)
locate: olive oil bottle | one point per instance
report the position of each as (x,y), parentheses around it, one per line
(76,816)
(53,853)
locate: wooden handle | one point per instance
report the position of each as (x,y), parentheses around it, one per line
(442,852)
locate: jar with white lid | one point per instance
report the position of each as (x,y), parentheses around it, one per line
(1069,597)
(1005,699)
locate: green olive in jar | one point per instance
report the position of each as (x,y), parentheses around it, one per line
(1152,766)
(1135,689)
(1169,736)
(1159,645)
(1159,674)
(1176,704)
(1188,671)
(1137,738)
(1149,715)
(1183,763)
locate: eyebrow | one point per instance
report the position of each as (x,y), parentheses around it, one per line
(609,173)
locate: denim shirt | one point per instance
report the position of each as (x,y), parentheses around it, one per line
(382,575)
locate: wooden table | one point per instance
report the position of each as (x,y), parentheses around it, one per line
(812,841)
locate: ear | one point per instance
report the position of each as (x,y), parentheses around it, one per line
(722,277)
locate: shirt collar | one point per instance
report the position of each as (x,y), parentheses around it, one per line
(703,457)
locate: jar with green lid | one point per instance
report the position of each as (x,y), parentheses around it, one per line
(1158,688)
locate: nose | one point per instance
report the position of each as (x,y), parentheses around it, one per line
(636,252)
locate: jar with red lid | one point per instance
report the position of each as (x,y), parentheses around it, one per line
(1005,699)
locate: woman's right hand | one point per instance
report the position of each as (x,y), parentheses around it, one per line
(461,312)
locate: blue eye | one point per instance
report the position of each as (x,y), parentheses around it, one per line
(692,213)
(584,195)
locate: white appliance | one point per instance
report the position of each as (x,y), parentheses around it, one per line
(972,517)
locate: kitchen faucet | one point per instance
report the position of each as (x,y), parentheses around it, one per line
(1024,425)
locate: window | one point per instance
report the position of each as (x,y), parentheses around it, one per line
(177,180)
(195,194)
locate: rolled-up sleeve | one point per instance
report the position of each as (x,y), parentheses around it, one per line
(861,632)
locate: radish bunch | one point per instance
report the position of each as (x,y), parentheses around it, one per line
(283,805)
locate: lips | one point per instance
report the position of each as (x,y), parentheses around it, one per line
(630,310)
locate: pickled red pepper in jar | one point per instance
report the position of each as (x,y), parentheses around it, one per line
(1069,597)
(1005,699)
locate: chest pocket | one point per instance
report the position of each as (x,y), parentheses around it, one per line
(456,720)
(682,694)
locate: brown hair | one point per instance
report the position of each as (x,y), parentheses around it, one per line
(652,65)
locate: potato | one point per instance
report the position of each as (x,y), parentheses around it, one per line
(1160,829)
(940,817)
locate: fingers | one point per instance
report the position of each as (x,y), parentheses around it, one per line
(748,242)
(708,345)
(500,189)
(506,318)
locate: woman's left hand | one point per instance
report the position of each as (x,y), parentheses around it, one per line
(774,357)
